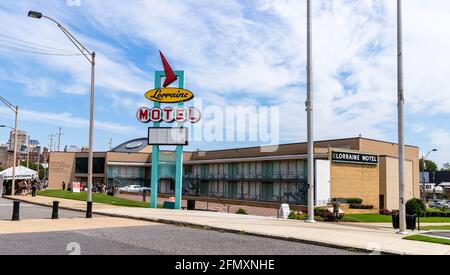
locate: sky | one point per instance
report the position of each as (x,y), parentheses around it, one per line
(234,53)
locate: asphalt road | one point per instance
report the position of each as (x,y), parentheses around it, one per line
(154,239)
(29,211)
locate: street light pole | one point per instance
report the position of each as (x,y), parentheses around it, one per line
(15,109)
(309,109)
(90,56)
(28,151)
(401,121)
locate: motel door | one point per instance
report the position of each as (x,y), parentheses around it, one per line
(232,190)
(204,188)
(266,191)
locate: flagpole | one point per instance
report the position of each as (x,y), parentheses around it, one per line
(401,120)
(309,109)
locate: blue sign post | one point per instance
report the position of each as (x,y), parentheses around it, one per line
(156,150)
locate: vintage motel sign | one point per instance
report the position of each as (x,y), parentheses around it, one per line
(169,95)
(159,136)
(168,115)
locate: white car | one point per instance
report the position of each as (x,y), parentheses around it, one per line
(131,189)
(145,189)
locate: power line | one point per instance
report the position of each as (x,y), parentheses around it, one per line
(14,44)
(9,47)
(33,43)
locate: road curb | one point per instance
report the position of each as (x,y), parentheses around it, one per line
(219,229)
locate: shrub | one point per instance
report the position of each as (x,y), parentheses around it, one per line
(322,214)
(350,200)
(385,212)
(415,207)
(361,206)
(437,214)
(297,216)
(241,211)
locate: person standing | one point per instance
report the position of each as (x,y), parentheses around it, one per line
(64,186)
(33,189)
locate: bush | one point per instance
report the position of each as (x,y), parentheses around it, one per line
(415,207)
(322,214)
(241,211)
(385,212)
(361,206)
(437,214)
(297,216)
(350,200)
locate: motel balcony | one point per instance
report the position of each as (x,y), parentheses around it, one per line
(248,177)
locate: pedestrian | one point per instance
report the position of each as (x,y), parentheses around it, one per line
(24,188)
(64,186)
(34,189)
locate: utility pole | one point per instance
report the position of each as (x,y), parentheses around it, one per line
(28,151)
(110,144)
(51,142)
(59,138)
(309,109)
(401,121)
(38,160)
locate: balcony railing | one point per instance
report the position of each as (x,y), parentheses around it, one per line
(249,176)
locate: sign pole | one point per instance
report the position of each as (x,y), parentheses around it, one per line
(155,152)
(179,155)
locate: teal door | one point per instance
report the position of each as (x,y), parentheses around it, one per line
(204,188)
(232,170)
(267,170)
(266,191)
(232,190)
(205,171)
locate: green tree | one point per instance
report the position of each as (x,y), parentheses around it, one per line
(431,166)
(415,207)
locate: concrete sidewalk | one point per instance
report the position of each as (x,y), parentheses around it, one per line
(333,235)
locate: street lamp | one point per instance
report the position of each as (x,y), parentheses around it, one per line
(424,168)
(15,110)
(90,56)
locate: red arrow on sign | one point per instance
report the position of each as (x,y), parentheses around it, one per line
(170,75)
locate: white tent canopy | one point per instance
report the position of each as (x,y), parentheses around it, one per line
(22,173)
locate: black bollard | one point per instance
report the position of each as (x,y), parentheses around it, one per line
(16,211)
(89,210)
(55,214)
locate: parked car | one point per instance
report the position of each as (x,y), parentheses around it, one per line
(131,189)
(146,189)
(439,204)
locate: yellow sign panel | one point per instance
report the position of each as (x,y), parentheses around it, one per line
(169,95)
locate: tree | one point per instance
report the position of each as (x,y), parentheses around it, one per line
(1,169)
(446,167)
(431,166)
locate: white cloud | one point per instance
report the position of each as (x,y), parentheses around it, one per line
(66,120)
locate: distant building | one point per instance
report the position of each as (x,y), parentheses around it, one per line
(21,140)
(45,155)
(3,156)
(72,149)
